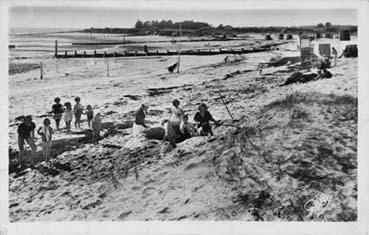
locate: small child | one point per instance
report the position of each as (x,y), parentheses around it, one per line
(57,110)
(46,133)
(90,115)
(78,110)
(68,116)
(188,130)
(96,127)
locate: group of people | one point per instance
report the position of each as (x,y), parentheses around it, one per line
(177,127)
(26,130)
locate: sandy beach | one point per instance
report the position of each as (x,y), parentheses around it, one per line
(285,145)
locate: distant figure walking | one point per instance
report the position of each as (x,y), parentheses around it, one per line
(202,118)
(145,49)
(96,128)
(77,110)
(26,132)
(139,125)
(335,53)
(89,114)
(46,133)
(57,110)
(68,116)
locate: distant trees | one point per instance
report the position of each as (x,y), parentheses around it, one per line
(168,24)
(320,25)
(328,24)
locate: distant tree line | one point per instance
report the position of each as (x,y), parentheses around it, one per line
(168,24)
(194,28)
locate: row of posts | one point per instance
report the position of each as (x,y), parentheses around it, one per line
(157,52)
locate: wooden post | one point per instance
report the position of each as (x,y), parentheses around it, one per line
(167,52)
(94,53)
(135,52)
(107,68)
(104,53)
(84,54)
(75,53)
(115,54)
(41,71)
(157,52)
(56,48)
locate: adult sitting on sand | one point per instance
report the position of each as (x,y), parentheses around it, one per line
(187,129)
(173,128)
(139,125)
(26,132)
(96,128)
(202,118)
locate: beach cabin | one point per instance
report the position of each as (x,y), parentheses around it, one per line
(344,35)
(281,36)
(268,37)
(325,49)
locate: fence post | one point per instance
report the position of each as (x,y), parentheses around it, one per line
(65,54)
(41,71)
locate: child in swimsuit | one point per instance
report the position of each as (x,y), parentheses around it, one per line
(68,116)
(46,135)
(90,115)
(57,110)
(78,110)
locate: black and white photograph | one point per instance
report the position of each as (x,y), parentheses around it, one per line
(209,113)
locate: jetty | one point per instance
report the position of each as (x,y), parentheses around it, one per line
(135,53)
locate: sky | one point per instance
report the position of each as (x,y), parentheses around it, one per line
(85,17)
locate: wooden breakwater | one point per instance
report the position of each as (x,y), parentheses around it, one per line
(197,52)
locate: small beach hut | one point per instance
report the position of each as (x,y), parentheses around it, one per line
(281,36)
(318,35)
(344,35)
(268,37)
(325,49)
(289,37)
(328,35)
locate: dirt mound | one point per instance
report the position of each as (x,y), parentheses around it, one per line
(301,149)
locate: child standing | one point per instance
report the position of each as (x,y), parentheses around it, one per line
(78,110)
(96,127)
(90,115)
(46,133)
(57,110)
(68,116)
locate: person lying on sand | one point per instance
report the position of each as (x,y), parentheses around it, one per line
(202,118)
(96,128)
(26,132)
(139,125)
(46,133)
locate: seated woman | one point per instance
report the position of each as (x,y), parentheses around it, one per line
(202,119)
(187,129)
(139,125)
